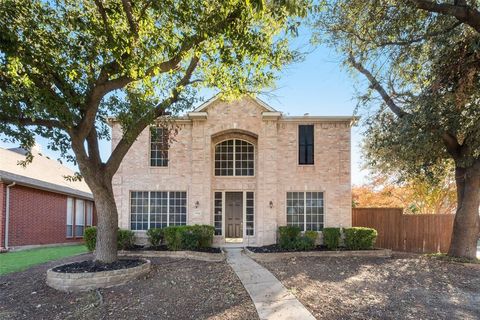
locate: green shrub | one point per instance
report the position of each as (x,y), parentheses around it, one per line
(331,238)
(188,237)
(310,234)
(125,239)
(155,236)
(304,243)
(90,238)
(204,234)
(359,238)
(173,237)
(288,236)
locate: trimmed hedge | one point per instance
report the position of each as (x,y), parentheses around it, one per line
(90,238)
(155,236)
(359,238)
(188,237)
(290,238)
(125,238)
(331,238)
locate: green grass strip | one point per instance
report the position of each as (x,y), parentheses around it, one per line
(21,260)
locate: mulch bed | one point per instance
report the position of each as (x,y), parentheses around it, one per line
(406,286)
(94,266)
(275,248)
(173,289)
(164,248)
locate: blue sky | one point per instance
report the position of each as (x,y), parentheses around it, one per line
(318,86)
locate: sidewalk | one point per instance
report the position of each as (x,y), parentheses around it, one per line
(271,298)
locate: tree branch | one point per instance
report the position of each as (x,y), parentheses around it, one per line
(127,7)
(377,86)
(103,14)
(126,142)
(452,145)
(459,10)
(92,145)
(28,121)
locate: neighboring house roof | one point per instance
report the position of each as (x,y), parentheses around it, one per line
(42,173)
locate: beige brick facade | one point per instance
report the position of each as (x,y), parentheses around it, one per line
(275,138)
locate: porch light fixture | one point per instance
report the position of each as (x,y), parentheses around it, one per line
(270,204)
(197,204)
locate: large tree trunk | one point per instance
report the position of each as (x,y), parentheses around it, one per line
(107,225)
(466,227)
(107,216)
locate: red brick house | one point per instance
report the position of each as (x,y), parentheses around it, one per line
(38,206)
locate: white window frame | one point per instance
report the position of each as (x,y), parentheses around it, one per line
(244,212)
(305,208)
(80,222)
(88,214)
(167,158)
(149,207)
(70,216)
(234,159)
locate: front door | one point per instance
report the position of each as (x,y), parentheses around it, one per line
(234,214)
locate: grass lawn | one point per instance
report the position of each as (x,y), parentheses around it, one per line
(21,260)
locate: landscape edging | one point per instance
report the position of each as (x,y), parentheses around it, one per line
(201,256)
(381,253)
(84,281)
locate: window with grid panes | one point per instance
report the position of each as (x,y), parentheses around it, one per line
(249,214)
(159,147)
(234,158)
(157,209)
(305,210)
(217,213)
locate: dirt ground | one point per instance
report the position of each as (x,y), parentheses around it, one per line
(403,287)
(174,289)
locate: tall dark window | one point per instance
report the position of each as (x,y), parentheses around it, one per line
(305,144)
(159,147)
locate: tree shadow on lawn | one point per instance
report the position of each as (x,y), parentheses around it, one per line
(173,289)
(405,286)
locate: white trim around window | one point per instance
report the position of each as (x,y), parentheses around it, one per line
(157,209)
(305,209)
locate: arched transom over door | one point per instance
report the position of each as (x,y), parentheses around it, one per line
(234,157)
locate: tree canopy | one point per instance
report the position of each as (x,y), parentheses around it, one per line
(63,63)
(66,66)
(422,70)
(421,60)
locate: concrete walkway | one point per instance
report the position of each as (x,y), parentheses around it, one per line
(271,298)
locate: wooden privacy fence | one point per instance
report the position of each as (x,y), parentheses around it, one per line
(421,233)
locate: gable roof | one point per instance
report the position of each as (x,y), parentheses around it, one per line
(43,173)
(203,107)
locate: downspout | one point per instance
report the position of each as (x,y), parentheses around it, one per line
(7,213)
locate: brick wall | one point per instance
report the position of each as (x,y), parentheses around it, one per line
(37,217)
(276,167)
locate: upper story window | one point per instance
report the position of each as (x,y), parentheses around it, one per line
(305,144)
(159,147)
(234,158)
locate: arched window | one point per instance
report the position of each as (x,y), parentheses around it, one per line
(234,158)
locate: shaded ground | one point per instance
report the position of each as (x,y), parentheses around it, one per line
(403,287)
(174,289)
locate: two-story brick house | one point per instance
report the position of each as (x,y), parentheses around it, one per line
(240,166)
